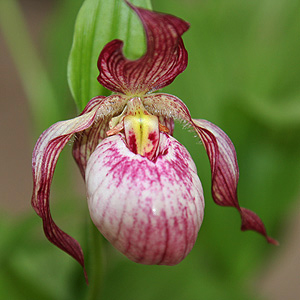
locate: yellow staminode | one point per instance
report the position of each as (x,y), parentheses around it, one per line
(142,133)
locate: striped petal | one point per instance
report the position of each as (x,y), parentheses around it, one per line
(45,155)
(225,174)
(151,211)
(164,59)
(44,159)
(221,154)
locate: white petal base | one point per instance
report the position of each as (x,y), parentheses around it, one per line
(151,211)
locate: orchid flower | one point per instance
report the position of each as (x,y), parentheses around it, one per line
(143,191)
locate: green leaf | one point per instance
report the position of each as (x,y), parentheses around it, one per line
(98,22)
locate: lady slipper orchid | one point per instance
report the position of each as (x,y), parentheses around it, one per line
(143,191)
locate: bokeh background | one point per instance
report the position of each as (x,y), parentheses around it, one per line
(243,75)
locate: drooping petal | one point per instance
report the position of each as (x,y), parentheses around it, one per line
(225,173)
(47,150)
(222,157)
(151,211)
(45,155)
(221,153)
(86,141)
(164,59)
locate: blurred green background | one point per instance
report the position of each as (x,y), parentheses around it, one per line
(243,75)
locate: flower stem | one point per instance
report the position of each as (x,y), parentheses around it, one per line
(95,263)
(43,102)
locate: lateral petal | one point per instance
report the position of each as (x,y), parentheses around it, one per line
(44,158)
(151,211)
(222,157)
(165,58)
(225,173)
(221,153)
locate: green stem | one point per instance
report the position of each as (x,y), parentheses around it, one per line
(95,263)
(40,94)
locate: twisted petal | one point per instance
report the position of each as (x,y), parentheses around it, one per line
(45,155)
(225,173)
(86,141)
(221,154)
(164,59)
(151,211)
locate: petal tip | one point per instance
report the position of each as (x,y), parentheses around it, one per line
(85,276)
(272,241)
(251,221)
